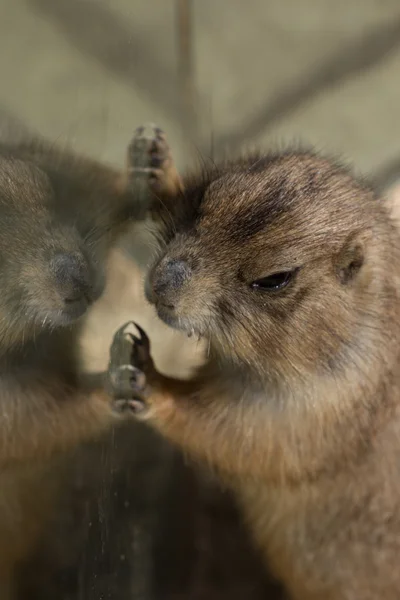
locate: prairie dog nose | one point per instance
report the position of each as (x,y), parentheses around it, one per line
(169,278)
(73,277)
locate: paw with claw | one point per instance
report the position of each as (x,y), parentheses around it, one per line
(150,162)
(130,369)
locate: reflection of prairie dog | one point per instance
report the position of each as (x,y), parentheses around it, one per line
(60,215)
(289,267)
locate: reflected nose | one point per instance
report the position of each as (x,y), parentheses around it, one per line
(73,278)
(168,280)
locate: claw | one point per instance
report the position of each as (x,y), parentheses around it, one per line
(121,346)
(127,347)
(142,340)
(142,333)
(129,366)
(120,332)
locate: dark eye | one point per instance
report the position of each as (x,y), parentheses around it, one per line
(273,282)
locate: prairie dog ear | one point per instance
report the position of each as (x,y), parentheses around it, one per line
(351,257)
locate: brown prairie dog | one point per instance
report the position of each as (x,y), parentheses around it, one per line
(289,269)
(60,216)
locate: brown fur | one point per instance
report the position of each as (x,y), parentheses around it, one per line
(52,203)
(298,405)
(198,545)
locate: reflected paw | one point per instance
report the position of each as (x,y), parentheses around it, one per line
(149,157)
(130,362)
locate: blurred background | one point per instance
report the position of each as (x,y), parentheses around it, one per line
(134,521)
(258,72)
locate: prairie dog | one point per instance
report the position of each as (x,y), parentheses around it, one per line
(60,215)
(289,267)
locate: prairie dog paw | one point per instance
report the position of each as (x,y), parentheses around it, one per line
(149,158)
(130,362)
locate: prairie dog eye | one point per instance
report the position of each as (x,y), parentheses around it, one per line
(274,282)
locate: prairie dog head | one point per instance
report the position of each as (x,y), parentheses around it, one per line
(282,261)
(59,214)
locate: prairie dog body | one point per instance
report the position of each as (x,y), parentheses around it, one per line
(60,215)
(290,268)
